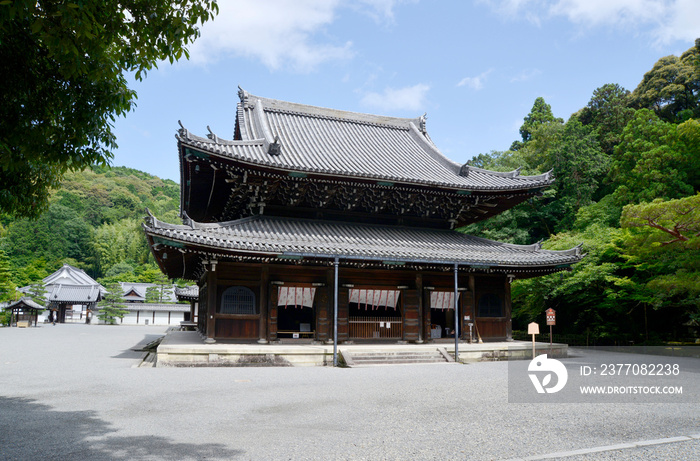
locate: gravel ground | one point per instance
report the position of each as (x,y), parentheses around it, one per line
(73,392)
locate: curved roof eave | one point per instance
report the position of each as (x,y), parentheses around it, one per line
(294,247)
(226,150)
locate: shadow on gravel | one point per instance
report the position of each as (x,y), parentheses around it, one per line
(35,431)
(148,344)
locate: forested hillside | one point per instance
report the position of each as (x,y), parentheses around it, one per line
(93,222)
(627,170)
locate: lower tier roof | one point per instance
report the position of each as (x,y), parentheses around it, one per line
(283,239)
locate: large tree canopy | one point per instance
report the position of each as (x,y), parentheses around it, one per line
(672,87)
(63,66)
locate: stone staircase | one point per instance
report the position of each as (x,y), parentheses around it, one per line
(355,358)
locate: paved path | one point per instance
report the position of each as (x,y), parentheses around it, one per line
(72,392)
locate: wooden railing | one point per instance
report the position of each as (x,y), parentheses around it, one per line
(376,327)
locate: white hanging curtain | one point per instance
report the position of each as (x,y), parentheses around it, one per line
(296,296)
(373,299)
(443,299)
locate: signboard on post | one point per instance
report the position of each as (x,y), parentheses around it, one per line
(533,329)
(551,316)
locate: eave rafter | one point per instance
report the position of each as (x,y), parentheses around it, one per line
(251,192)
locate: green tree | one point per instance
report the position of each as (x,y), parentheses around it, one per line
(581,297)
(112,305)
(35,271)
(607,113)
(8,290)
(651,161)
(678,219)
(122,241)
(63,67)
(58,233)
(540,113)
(662,263)
(672,87)
(161,292)
(579,166)
(37,292)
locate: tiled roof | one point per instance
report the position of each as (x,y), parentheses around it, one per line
(140,289)
(69,275)
(324,239)
(187,293)
(23,303)
(347,144)
(73,293)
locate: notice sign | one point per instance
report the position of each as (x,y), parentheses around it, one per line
(551,316)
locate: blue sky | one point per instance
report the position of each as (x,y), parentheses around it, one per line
(475,67)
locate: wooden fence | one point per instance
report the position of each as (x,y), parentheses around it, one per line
(376,327)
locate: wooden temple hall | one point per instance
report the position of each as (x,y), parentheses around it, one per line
(320,224)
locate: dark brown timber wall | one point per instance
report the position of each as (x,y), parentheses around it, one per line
(414,286)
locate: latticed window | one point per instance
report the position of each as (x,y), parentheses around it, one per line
(238,300)
(490,305)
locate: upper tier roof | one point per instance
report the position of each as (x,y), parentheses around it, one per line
(299,138)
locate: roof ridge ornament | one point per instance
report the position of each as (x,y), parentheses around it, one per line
(275,148)
(243,96)
(183,132)
(423,124)
(150,219)
(211,135)
(186,220)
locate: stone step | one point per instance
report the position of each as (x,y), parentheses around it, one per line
(390,362)
(359,358)
(369,356)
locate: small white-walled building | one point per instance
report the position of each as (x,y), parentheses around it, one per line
(154,314)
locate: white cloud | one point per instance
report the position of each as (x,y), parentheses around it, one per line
(667,20)
(475,83)
(525,75)
(279,33)
(609,12)
(411,98)
(381,10)
(683,22)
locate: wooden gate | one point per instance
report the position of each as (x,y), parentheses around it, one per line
(376,328)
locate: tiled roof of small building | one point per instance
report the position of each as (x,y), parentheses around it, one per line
(299,138)
(73,293)
(24,302)
(136,291)
(324,239)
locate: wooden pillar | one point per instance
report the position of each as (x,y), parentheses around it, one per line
(272,312)
(321,301)
(411,317)
(427,314)
(264,290)
(472,307)
(421,308)
(472,290)
(211,302)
